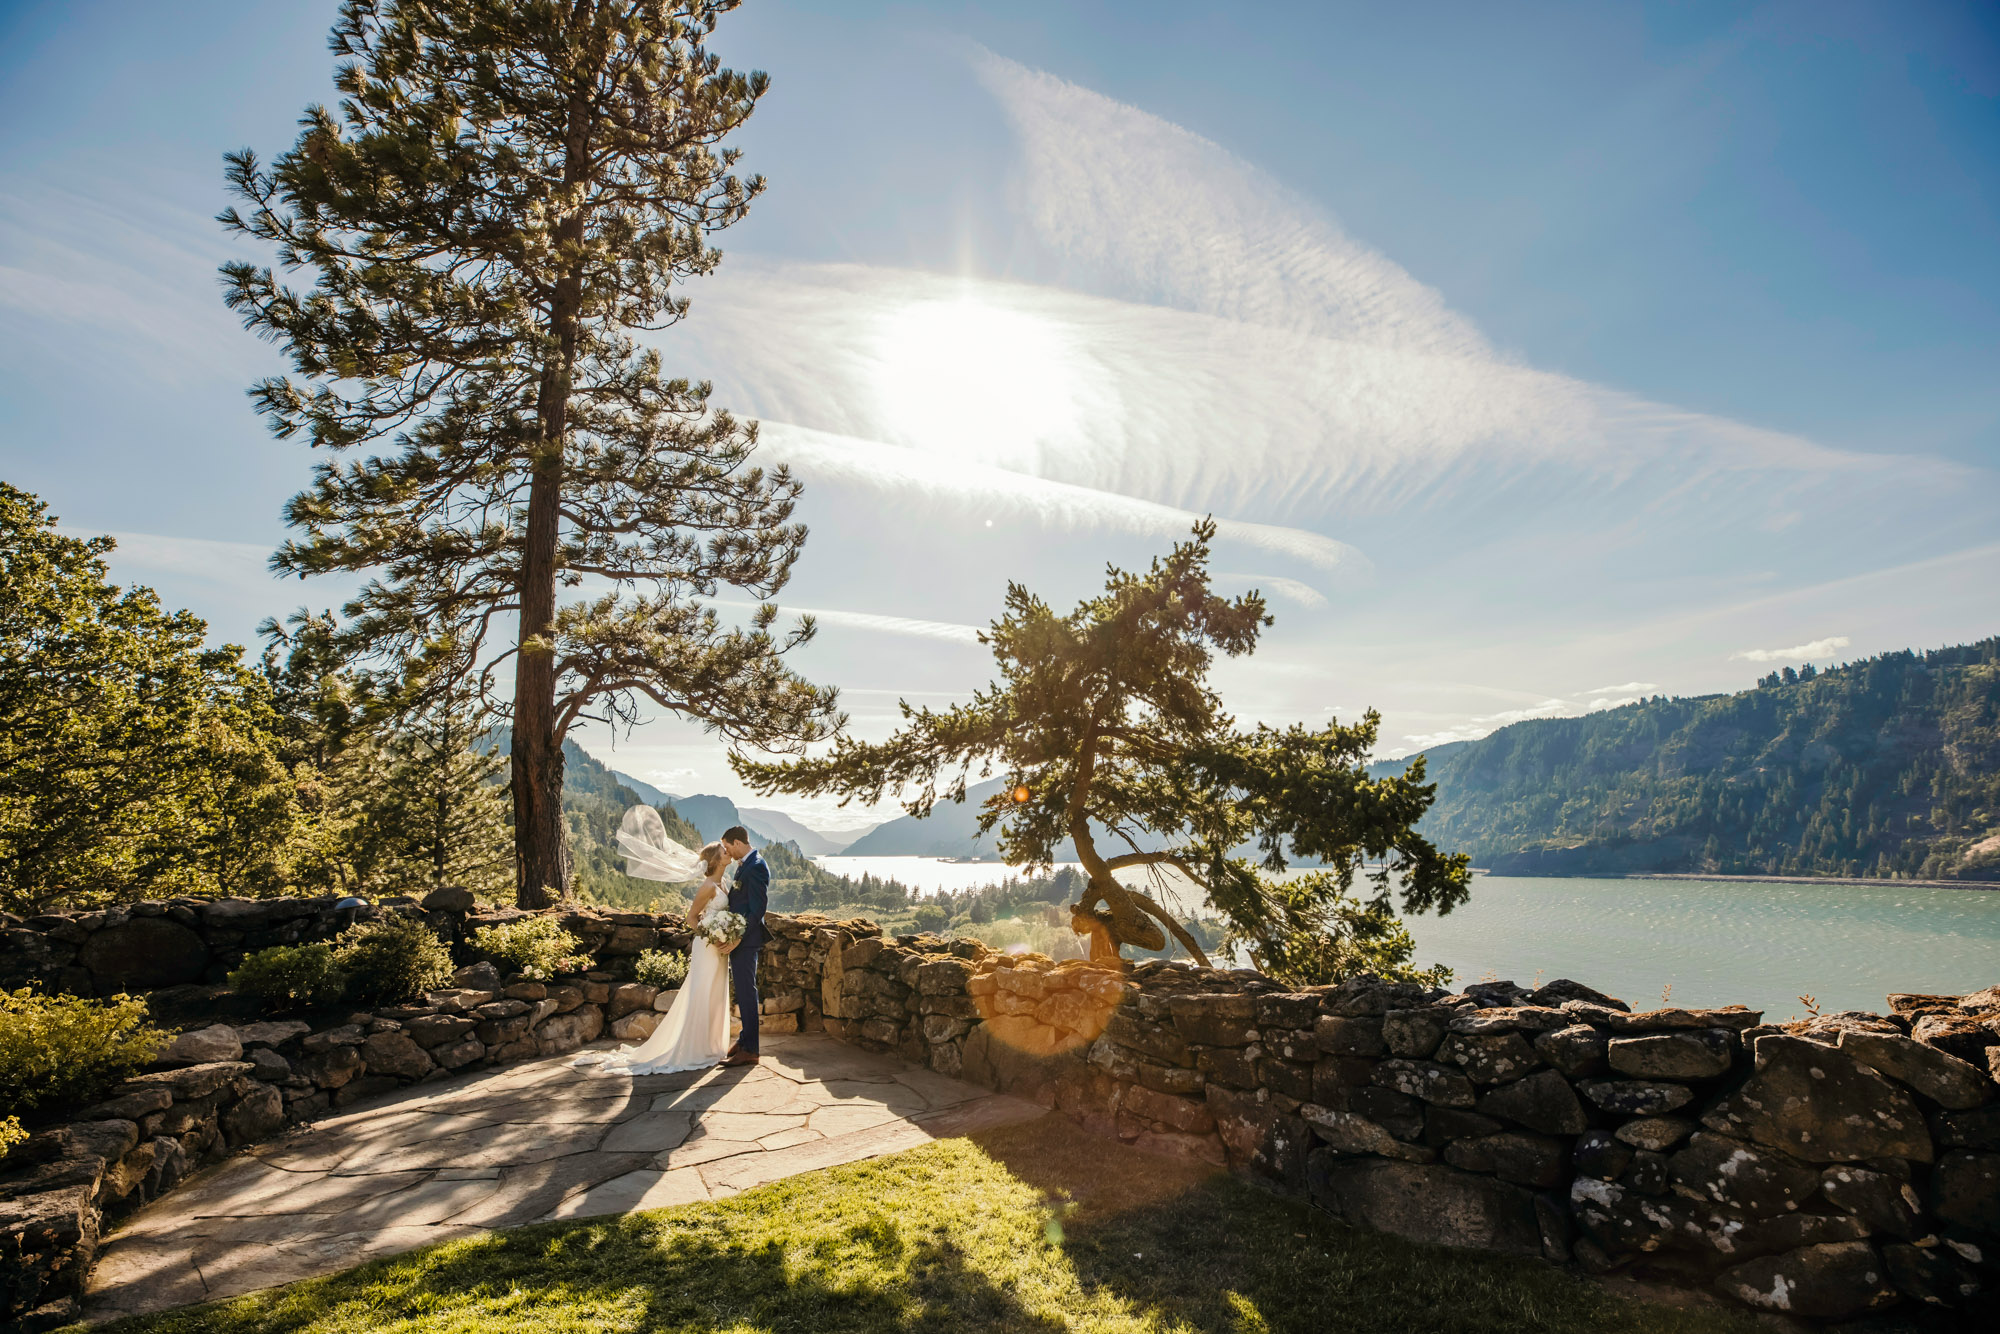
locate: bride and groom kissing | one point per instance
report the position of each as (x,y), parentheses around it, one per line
(695,1033)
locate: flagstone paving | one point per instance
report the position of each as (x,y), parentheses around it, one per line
(521,1144)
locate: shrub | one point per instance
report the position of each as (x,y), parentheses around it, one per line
(536,946)
(660,968)
(286,976)
(10,1134)
(64,1051)
(930,917)
(391,959)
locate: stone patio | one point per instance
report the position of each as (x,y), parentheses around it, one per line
(521,1144)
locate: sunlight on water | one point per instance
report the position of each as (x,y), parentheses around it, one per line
(1718,942)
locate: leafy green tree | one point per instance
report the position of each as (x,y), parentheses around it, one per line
(1108,732)
(506,194)
(133,759)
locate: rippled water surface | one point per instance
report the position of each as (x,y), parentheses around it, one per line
(1717,942)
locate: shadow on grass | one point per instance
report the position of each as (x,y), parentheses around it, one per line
(1034,1227)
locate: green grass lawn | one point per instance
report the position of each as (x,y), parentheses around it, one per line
(1036,1227)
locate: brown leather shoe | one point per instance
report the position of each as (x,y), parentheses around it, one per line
(743,1058)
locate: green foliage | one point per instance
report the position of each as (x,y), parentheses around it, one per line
(504,196)
(929,917)
(11,1133)
(1106,728)
(290,976)
(1887,766)
(61,1052)
(133,760)
(661,968)
(536,946)
(391,959)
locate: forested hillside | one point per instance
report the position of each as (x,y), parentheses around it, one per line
(1885,767)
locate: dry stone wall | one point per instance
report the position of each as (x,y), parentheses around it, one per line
(1826,1169)
(234,1075)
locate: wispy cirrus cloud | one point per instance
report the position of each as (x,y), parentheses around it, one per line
(1818,648)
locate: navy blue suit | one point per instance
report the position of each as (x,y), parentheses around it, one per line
(749,896)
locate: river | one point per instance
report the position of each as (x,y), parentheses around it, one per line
(1713,942)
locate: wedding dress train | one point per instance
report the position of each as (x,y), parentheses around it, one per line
(693,1036)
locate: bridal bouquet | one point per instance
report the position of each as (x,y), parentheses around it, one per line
(721,927)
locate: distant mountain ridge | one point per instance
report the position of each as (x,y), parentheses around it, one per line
(1889,766)
(950,830)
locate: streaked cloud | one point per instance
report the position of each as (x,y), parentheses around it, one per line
(1292,590)
(872,621)
(1629,688)
(1818,648)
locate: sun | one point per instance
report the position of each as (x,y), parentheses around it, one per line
(975,380)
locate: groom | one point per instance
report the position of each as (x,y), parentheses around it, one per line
(748,895)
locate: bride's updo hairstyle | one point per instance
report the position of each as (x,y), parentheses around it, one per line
(712,857)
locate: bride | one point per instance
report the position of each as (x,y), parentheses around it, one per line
(695,1033)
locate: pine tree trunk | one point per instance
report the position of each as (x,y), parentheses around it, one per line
(541,842)
(541,845)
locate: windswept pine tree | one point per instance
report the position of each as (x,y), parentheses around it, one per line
(507,194)
(1106,728)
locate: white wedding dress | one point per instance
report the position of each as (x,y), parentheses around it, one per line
(695,1033)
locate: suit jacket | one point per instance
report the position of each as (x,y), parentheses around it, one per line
(750,895)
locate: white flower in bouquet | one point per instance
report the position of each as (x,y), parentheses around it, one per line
(721,927)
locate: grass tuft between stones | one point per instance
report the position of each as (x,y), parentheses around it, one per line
(1030,1228)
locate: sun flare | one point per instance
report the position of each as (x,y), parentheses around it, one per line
(975,380)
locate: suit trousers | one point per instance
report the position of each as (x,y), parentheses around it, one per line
(743,976)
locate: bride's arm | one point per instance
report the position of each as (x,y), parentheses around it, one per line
(701,898)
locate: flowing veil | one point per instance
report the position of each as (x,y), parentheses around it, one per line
(650,854)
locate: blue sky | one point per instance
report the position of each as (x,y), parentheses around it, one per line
(1537,356)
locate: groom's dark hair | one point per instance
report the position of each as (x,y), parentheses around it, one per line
(736,833)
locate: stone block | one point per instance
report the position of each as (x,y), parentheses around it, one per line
(1574,1051)
(1760,1181)
(1183,1114)
(257,1115)
(1691,1053)
(1444,1124)
(1820,1105)
(1350,1132)
(1215,1019)
(1732,1017)
(1600,1154)
(1171,1079)
(1952,1083)
(1415,1033)
(1965,1190)
(1426,1202)
(636,1026)
(1655,1134)
(629,997)
(1541,1161)
(1528,1019)
(1425,1080)
(1834,1282)
(1298,1009)
(397,1055)
(1341,1035)
(456,1054)
(200,1046)
(1286,1077)
(1543,1101)
(1889,1206)
(1959,1035)
(1233,1066)
(1489,1058)
(1636,1097)
(1932,1275)
(194,1081)
(434,1030)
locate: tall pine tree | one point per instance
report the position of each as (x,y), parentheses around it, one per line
(508,191)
